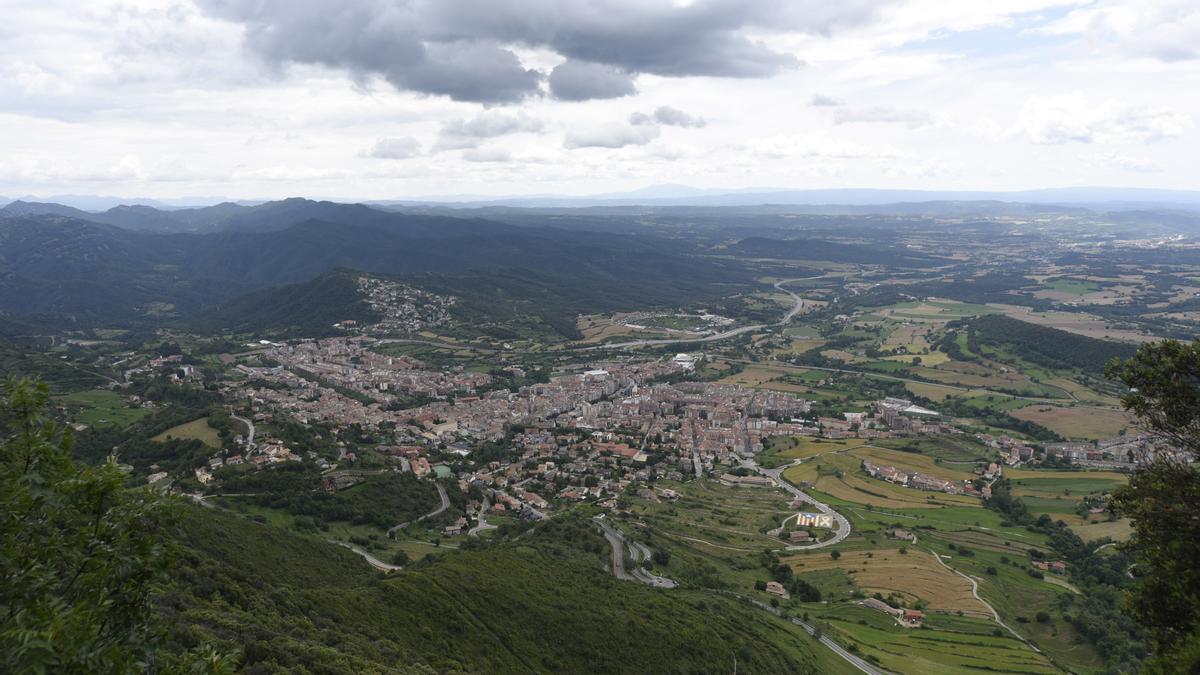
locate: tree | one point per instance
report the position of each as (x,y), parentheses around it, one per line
(79,554)
(1163,499)
(835,554)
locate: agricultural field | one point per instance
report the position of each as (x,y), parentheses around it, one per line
(1080,323)
(197,429)
(909,461)
(1085,423)
(946,645)
(914,576)
(99,407)
(840,476)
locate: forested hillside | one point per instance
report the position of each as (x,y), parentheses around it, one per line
(542,604)
(1047,347)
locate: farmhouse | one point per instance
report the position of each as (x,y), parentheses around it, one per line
(776,588)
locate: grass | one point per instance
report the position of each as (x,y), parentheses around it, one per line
(947,645)
(99,407)
(197,429)
(910,461)
(1071,286)
(839,476)
(1086,423)
(913,576)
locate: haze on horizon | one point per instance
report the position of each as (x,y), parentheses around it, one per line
(371,99)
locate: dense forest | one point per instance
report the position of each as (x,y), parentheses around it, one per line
(1046,347)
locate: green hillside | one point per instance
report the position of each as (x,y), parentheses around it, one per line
(539,604)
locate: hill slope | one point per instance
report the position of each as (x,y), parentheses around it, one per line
(539,605)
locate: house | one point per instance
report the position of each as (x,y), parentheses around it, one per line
(799,536)
(1041,565)
(1058,566)
(912,617)
(901,533)
(776,588)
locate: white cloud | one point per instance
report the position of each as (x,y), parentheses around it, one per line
(1167,30)
(405,147)
(487,155)
(611,136)
(1074,118)
(469,133)
(912,119)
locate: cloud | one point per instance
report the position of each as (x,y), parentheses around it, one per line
(1072,118)
(823,101)
(816,146)
(613,136)
(913,119)
(405,147)
(461,48)
(469,133)
(1123,162)
(667,116)
(1167,30)
(580,81)
(487,155)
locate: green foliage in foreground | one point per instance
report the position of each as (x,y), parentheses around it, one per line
(542,603)
(1163,500)
(79,554)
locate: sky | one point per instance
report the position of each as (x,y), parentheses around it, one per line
(394,99)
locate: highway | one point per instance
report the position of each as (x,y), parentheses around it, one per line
(796,309)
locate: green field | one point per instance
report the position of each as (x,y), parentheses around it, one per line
(196,429)
(99,407)
(948,644)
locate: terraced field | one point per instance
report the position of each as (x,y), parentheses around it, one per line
(913,576)
(839,476)
(946,645)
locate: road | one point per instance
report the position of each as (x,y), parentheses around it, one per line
(843,525)
(853,660)
(985,603)
(638,553)
(670,341)
(796,309)
(249,431)
(445,505)
(371,560)
(482,524)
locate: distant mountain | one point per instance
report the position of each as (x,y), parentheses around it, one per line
(816,249)
(88,271)
(1102,198)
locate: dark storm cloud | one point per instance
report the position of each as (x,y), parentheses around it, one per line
(580,81)
(460,48)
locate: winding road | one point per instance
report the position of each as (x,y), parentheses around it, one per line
(638,552)
(445,505)
(371,560)
(985,603)
(776,474)
(482,520)
(249,431)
